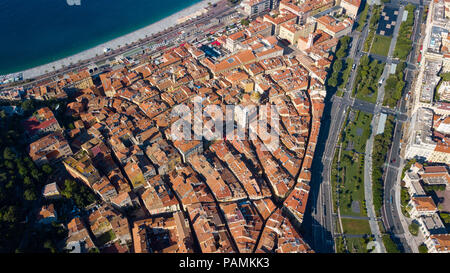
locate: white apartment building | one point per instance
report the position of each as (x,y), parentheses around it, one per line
(422,206)
(421,144)
(412,182)
(439,243)
(255,7)
(431,225)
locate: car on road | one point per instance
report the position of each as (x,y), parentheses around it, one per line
(354,66)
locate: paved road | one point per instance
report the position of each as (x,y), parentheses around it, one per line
(371,212)
(391,210)
(320,217)
(369,107)
(376,109)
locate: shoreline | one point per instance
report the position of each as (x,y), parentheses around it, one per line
(120,41)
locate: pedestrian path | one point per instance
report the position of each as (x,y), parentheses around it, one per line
(355,217)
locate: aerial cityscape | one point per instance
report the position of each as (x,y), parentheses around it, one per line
(229,126)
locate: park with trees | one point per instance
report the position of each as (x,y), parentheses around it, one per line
(394,86)
(368,74)
(404,42)
(341,68)
(22,182)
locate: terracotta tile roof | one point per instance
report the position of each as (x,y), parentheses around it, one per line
(441,241)
(424,203)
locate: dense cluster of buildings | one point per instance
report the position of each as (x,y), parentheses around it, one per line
(423,209)
(428,134)
(226,195)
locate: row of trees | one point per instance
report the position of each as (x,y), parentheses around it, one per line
(21,182)
(381,145)
(404,42)
(404,200)
(376,10)
(338,75)
(389,243)
(46,239)
(394,86)
(363,15)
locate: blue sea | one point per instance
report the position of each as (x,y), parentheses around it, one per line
(35,32)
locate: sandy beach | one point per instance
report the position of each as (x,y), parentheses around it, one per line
(120,41)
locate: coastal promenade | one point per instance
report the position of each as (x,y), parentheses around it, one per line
(118,43)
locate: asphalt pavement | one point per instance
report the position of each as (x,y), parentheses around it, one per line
(320,217)
(391,213)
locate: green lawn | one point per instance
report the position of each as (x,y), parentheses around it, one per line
(356,226)
(356,245)
(351,172)
(381,45)
(357,131)
(423,248)
(352,184)
(414,229)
